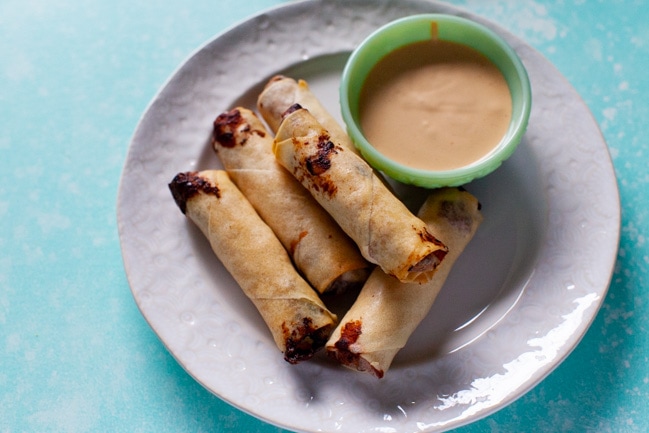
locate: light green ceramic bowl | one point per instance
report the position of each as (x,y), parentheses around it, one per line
(450,28)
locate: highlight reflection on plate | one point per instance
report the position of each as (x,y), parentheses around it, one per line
(518,300)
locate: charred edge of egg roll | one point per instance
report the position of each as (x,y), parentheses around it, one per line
(186,185)
(224,125)
(344,355)
(302,342)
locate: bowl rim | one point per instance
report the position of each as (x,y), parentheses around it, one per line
(438,178)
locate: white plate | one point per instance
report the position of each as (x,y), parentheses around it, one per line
(518,301)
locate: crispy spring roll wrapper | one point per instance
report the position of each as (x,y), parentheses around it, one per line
(321,251)
(386,232)
(281,93)
(386,311)
(298,320)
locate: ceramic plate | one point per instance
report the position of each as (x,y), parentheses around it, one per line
(518,301)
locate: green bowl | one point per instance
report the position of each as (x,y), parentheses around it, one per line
(417,28)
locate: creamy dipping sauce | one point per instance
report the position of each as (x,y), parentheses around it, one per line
(435,105)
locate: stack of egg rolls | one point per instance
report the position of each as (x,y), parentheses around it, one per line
(302,214)
(320,250)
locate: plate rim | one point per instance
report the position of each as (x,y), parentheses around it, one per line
(309,4)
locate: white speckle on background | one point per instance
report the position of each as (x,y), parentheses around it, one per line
(53,221)
(594,49)
(68,413)
(532,18)
(609,113)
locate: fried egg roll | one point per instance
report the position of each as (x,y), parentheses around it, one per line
(298,320)
(386,232)
(320,250)
(386,311)
(281,93)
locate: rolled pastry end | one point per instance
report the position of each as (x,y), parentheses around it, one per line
(343,350)
(304,340)
(232,128)
(423,270)
(186,185)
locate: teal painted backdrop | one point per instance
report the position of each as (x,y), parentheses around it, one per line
(75,353)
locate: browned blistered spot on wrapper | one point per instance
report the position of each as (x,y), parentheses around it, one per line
(321,162)
(295,242)
(230,129)
(317,165)
(457,214)
(349,335)
(185,185)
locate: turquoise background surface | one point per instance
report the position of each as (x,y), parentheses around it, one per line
(75,353)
